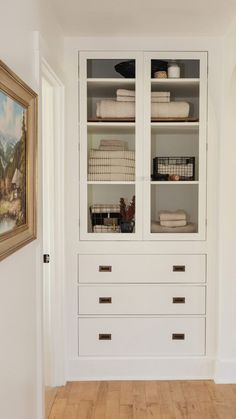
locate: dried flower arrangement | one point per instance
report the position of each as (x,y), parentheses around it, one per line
(127,211)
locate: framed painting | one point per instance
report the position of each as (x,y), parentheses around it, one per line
(18,144)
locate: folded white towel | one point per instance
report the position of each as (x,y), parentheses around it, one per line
(157,228)
(111,169)
(113,142)
(112,148)
(160,94)
(125,92)
(172,215)
(179,223)
(111,162)
(163,99)
(116,154)
(125,99)
(113,109)
(110,177)
(170,110)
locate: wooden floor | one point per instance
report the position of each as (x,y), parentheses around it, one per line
(145,400)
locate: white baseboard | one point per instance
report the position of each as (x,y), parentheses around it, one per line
(225,372)
(197,368)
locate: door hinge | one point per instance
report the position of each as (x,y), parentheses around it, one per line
(46,258)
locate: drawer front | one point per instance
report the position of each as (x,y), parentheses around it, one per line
(141,268)
(141,336)
(139,299)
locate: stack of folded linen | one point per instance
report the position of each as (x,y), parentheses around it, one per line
(124,106)
(123,95)
(113,145)
(173,218)
(111,162)
(172,222)
(160,97)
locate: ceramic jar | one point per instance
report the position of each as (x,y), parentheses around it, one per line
(173,70)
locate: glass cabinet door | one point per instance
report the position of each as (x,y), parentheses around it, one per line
(175,122)
(110,126)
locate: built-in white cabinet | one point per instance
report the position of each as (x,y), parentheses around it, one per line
(142,140)
(142,135)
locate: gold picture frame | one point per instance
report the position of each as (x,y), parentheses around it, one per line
(18,159)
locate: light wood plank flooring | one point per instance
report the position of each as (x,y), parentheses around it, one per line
(145,400)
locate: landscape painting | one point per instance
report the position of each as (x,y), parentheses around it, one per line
(13,164)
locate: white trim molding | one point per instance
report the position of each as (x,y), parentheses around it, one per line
(225,371)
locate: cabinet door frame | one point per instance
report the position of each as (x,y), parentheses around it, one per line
(83,185)
(202,180)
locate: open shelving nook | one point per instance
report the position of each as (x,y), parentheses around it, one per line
(147,138)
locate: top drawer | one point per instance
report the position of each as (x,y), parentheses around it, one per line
(141,268)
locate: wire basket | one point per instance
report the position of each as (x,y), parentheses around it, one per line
(105,218)
(173,168)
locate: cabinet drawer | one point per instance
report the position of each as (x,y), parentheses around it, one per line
(141,268)
(141,336)
(141,299)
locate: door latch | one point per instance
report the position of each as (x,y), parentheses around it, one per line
(46,258)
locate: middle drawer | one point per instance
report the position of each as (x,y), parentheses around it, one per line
(138,299)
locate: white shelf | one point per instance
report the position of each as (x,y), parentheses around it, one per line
(112,182)
(105,81)
(174,183)
(180,81)
(110,127)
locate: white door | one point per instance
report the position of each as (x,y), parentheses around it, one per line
(53,237)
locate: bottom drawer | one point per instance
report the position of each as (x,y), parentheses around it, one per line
(141,336)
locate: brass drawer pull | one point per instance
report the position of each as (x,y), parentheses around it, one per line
(178,300)
(105,268)
(104,336)
(105,300)
(178,336)
(178,268)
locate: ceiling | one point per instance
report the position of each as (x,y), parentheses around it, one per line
(144,17)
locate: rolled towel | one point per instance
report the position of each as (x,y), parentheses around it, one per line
(125,92)
(179,223)
(172,215)
(170,110)
(114,109)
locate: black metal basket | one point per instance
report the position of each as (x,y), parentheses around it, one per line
(126,69)
(165,167)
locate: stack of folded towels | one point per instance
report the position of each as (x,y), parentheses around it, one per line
(173,219)
(124,106)
(111,162)
(173,222)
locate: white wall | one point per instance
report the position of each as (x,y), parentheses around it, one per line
(226,367)
(20,282)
